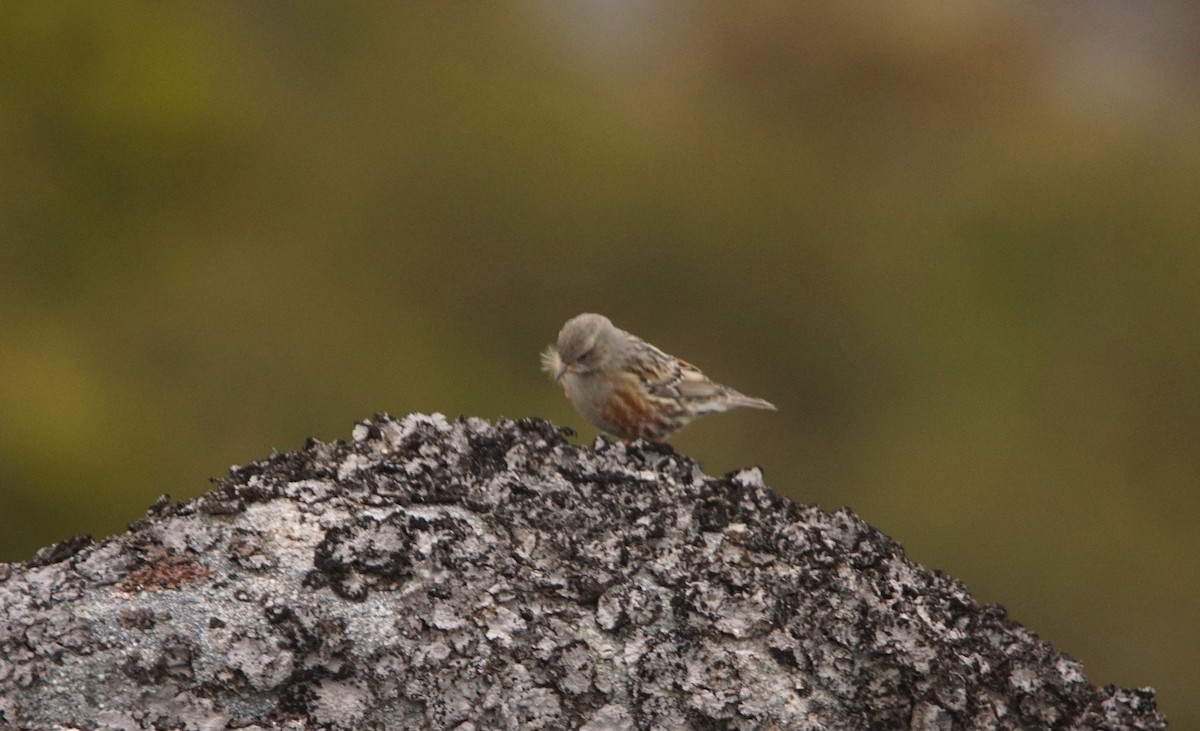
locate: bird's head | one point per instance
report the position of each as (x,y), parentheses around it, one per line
(584,346)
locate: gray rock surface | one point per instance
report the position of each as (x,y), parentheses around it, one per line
(464,575)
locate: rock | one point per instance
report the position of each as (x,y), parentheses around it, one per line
(464,575)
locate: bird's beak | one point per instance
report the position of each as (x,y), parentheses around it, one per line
(562,371)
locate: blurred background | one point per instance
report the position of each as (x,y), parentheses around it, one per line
(958,244)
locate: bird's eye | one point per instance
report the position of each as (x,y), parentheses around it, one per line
(587,353)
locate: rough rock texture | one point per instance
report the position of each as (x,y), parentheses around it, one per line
(465,575)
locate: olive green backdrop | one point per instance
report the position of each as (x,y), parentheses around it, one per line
(958,246)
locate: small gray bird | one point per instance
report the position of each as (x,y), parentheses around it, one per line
(627,387)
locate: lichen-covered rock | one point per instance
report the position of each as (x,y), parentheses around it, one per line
(463,575)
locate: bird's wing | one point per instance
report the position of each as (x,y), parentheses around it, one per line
(668,377)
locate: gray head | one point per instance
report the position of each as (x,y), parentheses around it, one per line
(585,343)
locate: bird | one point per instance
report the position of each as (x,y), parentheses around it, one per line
(626,387)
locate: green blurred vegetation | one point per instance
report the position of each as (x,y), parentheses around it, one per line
(967,272)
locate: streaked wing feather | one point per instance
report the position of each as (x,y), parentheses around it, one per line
(677,380)
(659,373)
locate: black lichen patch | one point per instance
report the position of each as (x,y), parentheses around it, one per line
(173,662)
(251,552)
(61,551)
(138,618)
(358,557)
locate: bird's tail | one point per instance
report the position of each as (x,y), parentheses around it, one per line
(741,399)
(726,398)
